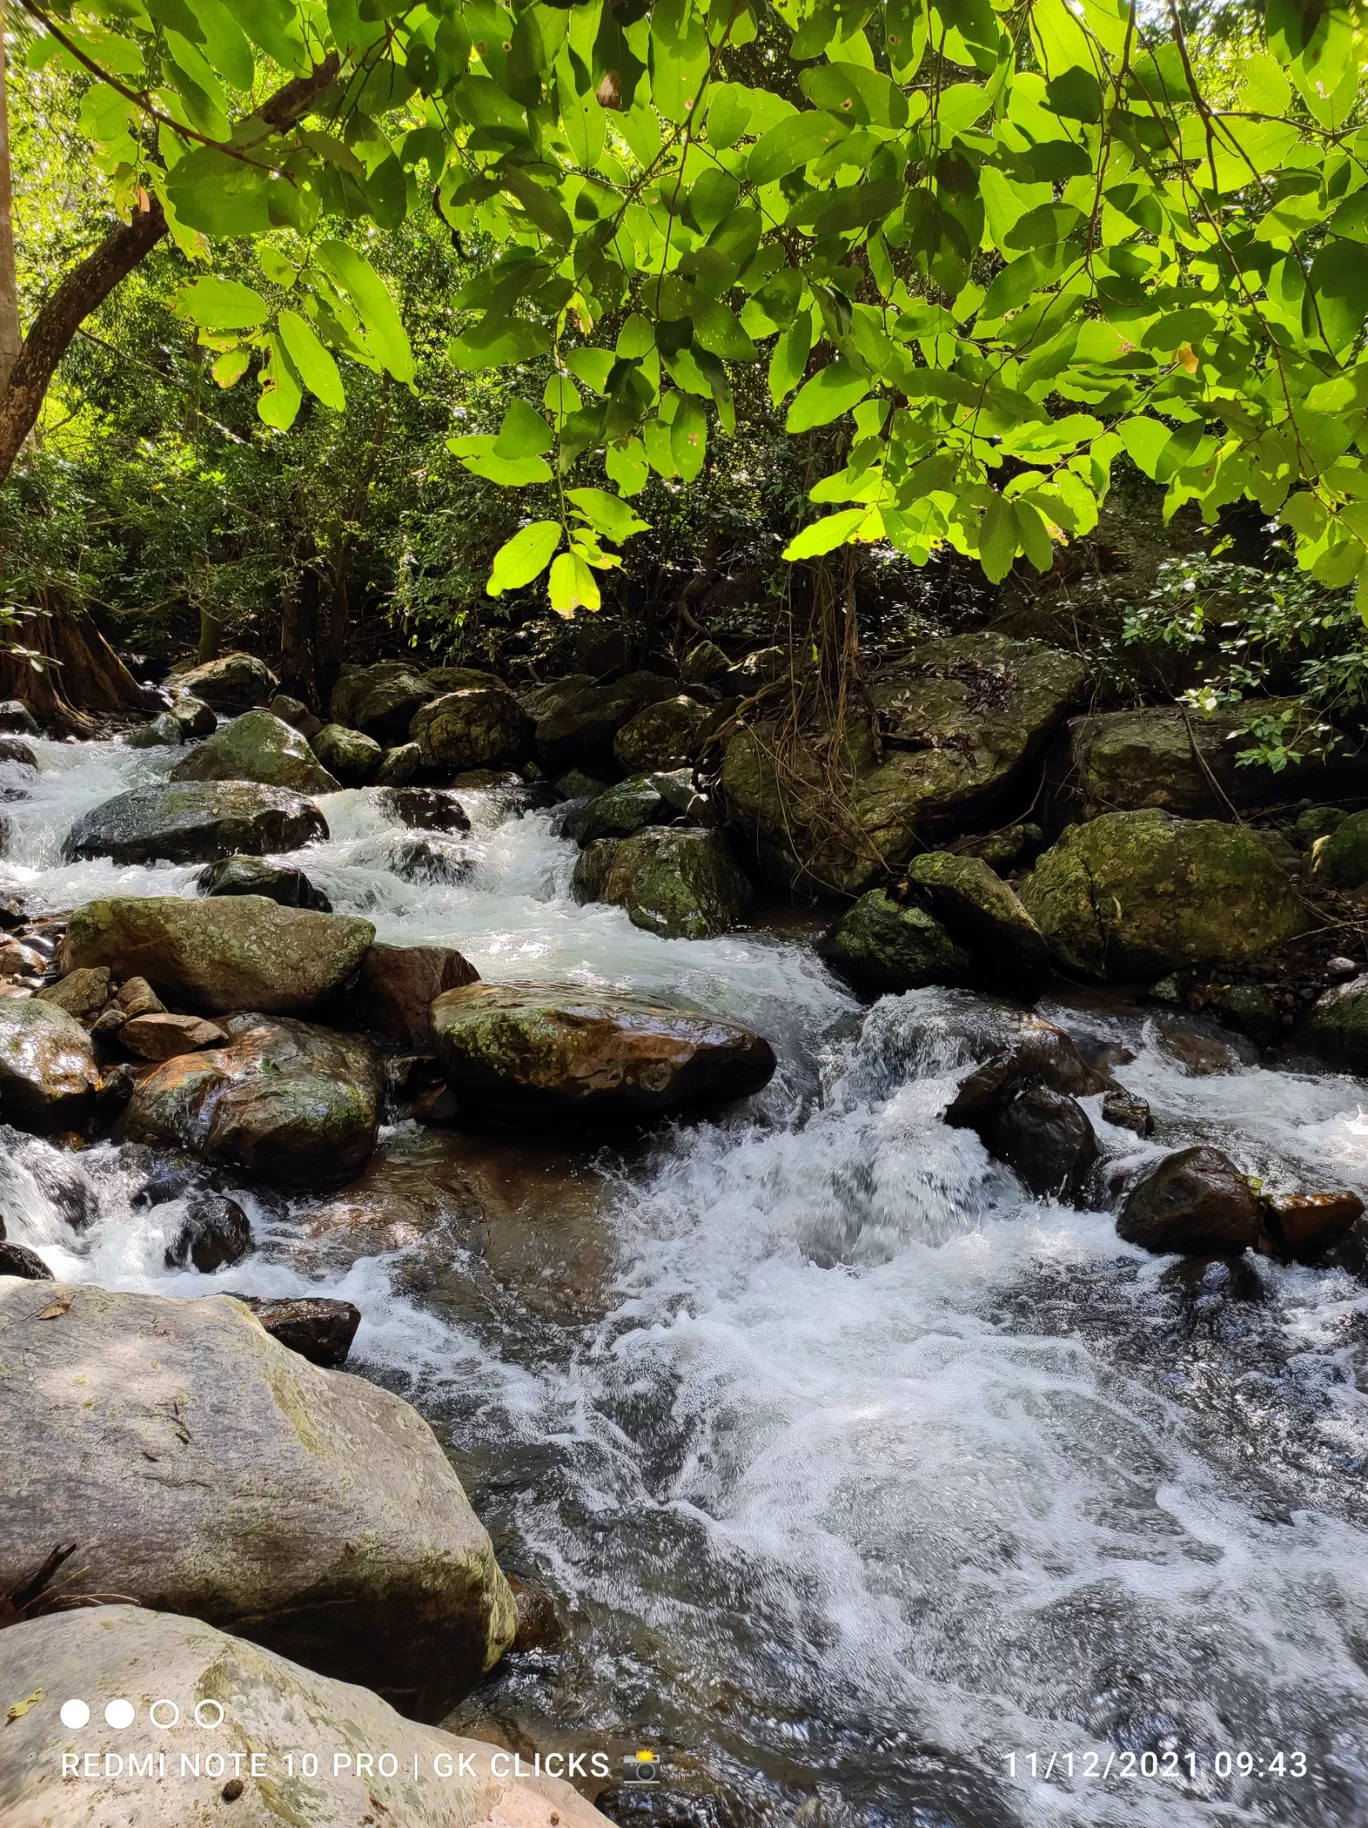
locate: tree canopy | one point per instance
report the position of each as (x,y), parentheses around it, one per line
(995,246)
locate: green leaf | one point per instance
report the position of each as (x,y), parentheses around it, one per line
(790,144)
(790,356)
(232,365)
(313,363)
(573,585)
(498,343)
(1339,279)
(224,42)
(826,534)
(688,438)
(1144,439)
(626,466)
(221,304)
(606,514)
(830,392)
(275,26)
(385,337)
(998,539)
(281,395)
(508,472)
(524,557)
(524,433)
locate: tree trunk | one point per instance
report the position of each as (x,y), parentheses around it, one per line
(211,632)
(299,636)
(78,667)
(10,336)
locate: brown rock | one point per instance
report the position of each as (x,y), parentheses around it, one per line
(136,997)
(1303,1223)
(19,960)
(80,993)
(18,1260)
(162,1037)
(399,985)
(320,1330)
(1195,1201)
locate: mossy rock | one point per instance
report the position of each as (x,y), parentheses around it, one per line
(475,727)
(623,809)
(48,1074)
(669,734)
(1341,860)
(351,755)
(195,822)
(381,700)
(680,883)
(1132,896)
(1336,1026)
(577,720)
(886,946)
(257,747)
(233,682)
(981,913)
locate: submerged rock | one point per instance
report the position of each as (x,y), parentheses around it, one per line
(562,1051)
(679,883)
(291,1104)
(577,720)
(48,1075)
(885,946)
(1135,895)
(233,682)
(349,754)
(195,822)
(380,700)
(220,1475)
(224,952)
(257,747)
(478,727)
(278,882)
(1195,1201)
(671,733)
(318,1329)
(981,913)
(214,1231)
(399,984)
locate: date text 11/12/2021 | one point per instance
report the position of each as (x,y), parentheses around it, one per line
(1193,1767)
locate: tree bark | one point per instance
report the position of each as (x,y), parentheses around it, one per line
(75,666)
(10,335)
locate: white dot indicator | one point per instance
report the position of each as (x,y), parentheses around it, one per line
(75,1713)
(119,1714)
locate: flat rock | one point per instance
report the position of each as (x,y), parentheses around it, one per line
(564,1051)
(258,747)
(163,1036)
(224,952)
(477,727)
(399,984)
(291,1104)
(233,682)
(204,1469)
(195,822)
(1195,1201)
(48,1075)
(278,882)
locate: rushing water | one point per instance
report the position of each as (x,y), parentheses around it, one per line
(871,1487)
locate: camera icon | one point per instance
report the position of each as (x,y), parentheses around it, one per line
(643,1767)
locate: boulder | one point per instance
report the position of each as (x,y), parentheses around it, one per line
(591,869)
(366,1752)
(222,953)
(18,1260)
(424,809)
(458,678)
(704,664)
(1302,1225)
(349,754)
(195,822)
(296,713)
(1195,1201)
(1136,895)
(1045,1137)
(959,727)
(48,1075)
(318,1329)
(80,993)
(671,733)
(1336,1026)
(15,749)
(278,882)
(478,727)
(1315,823)
(233,682)
(204,1469)
(886,946)
(293,1105)
(562,1051)
(1341,859)
(679,883)
(578,720)
(619,811)
(981,913)
(162,732)
(1128,1111)
(17,719)
(257,747)
(1024,1050)
(194,716)
(400,767)
(213,1231)
(163,1036)
(380,700)
(399,984)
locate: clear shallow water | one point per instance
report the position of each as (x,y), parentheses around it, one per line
(857,1471)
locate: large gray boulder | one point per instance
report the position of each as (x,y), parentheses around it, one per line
(476,727)
(380,700)
(195,822)
(1135,895)
(222,953)
(233,682)
(679,882)
(960,726)
(272,1707)
(48,1075)
(578,720)
(293,1105)
(558,1050)
(257,747)
(202,1468)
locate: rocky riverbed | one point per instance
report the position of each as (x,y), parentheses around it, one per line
(866,1394)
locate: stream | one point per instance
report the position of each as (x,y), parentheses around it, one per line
(874,1492)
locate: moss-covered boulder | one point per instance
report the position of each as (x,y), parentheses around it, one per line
(1341,860)
(1336,1026)
(293,1105)
(400,766)
(233,682)
(1133,896)
(381,700)
(981,913)
(704,664)
(257,747)
(681,883)
(351,755)
(162,732)
(884,946)
(627,807)
(48,1075)
(592,867)
(578,720)
(195,822)
(959,727)
(223,953)
(476,727)
(559,1050)
(672,733)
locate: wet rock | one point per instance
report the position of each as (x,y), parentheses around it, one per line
(704,664)
(577,722)
(318,1329)
(399,984)
(195,822)
(680,792)
(1209,1284)
(671,733)
(291,1104)
(278,882)
(558,1050)
(1195,1201)
(296,713)
(18,1260)
(619,811)
(1026,1050)
(575,784)
(194,716)
(233,682)
(1302,1225)
(224,952)
(222,1476)
(540,1624)
(257,747)
(1128,1111)
(136,997)
(980,912)
(638,1805)
(214,1231)
(422,860)
(48,1075)
(15,749)
(1134,895)
(479,727)
(80,993)
(1341,860)
(681,884)
(163,732)
(591,869)
(1336,1026)
(116,1087)
(162,1037)
(1045,1137)
(381,700)
(20,960)
(885,946)
(16,718)
(961,724)
(1200,1054)
(350,755)
(400,767)
(1252,1009)
(1317,822)
(424,809)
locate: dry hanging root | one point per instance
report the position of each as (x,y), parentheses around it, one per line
(35,1596)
